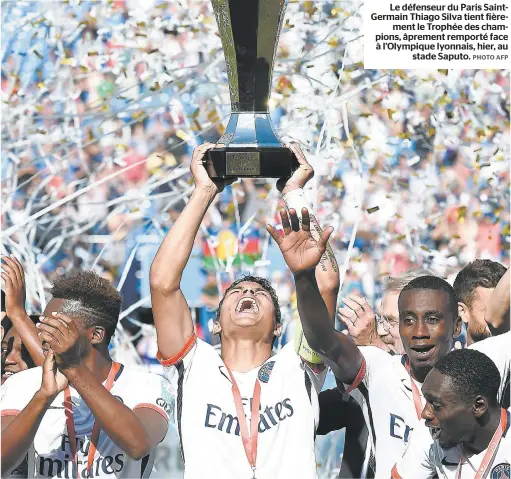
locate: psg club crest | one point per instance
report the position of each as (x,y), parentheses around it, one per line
(265,371)
(501,471)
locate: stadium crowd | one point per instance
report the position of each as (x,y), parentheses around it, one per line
(418,166)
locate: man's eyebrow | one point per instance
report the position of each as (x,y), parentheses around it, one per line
(434,311)
(432,398)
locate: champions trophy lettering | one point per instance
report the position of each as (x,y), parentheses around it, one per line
(250,147)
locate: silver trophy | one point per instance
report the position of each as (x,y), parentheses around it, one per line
(250,147)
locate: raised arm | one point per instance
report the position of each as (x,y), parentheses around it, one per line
(302,254)
(497,312)
(172,316)
(137,431)
(14,277)
(327,270)
(18,431)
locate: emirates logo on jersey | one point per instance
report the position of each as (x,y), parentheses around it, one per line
(60,464)
(269,417)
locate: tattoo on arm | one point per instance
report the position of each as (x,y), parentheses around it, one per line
(329,253)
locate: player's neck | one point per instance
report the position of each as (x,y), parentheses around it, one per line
(243,355)
(483,435)
(420,373)
(99,363)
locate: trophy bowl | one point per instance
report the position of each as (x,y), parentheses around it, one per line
(250,146)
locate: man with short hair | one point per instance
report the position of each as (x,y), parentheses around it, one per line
(468,431)
(368,329)
(339,411)
(474,286)
(82,414)
(498,347)
(389,386)
(244,413)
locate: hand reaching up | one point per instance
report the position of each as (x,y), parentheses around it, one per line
(14,277)
(300,250)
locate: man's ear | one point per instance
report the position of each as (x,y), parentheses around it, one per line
(97,334)
(278,330)
(217,329)
(463,312)
(457,327)
(480,406)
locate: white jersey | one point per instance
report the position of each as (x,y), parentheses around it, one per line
(426,459)
(208,425)
(386,398)
(51,454)
(498,349)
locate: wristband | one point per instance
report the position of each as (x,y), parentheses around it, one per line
(296,199)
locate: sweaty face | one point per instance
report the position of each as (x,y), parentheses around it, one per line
(426,325)
(448,416)
(248,305)
(15,357)
(389,330)
(477,328)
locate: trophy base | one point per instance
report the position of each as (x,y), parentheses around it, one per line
(243,162)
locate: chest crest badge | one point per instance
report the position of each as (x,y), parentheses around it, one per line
(265,371)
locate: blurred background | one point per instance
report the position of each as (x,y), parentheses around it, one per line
(103,103)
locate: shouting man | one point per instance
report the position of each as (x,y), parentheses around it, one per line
(244,413)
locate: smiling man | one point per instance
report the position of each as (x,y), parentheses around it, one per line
(389,386)
(243,413)
(468,431)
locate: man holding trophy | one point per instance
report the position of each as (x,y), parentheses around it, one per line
(245,413)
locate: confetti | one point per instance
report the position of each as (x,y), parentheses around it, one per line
(431,148)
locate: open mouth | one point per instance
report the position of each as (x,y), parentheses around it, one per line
(435,432)
(7,374)
(247,305)
(423,351)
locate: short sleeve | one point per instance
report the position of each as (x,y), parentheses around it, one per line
(375,361)
(18,390)
(154,392)
(417,461)
(316,373)
(498,349)
(196,350)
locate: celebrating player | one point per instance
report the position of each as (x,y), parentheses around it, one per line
(82,415)
(474,286)
(244,413)
(469,430)
(23,332)
(389,385)
(365,327)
